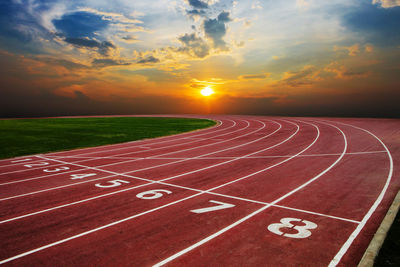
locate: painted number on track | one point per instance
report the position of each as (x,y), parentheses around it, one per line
(36,164)
(302,230)
(81,175)
(56,169)
(20,160)
(153,194)
(220,206)
(112,183)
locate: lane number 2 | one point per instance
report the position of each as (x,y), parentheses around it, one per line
(302,230)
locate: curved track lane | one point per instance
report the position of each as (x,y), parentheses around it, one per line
(251,191)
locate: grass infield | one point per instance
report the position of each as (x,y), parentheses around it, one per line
(32,136)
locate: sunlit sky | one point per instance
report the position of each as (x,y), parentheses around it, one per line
(289,57)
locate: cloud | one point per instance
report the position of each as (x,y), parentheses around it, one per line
(343,73)
(198,4)
(130,39)
(256,5)
(303,77)
(193,46)
(102,47)
(302,3)
(369,48)
(351,50)
(196,13)
(148,59)
(386,3)
(62,62)
(215,29)
(108,62)
(253,76)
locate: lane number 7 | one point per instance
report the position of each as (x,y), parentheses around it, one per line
(220,206)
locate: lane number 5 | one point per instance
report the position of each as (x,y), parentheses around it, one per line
(112,183)
(302,230)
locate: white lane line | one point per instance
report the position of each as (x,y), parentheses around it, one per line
(368,215)
(211,130)
(225,229)
(116,163)
(123,220)
(94,230)
(155,166)
(132,152)
(22,162)
(253,157)
(107,150)
(151,142)
(43,176)
(55,188)
(143,179)
(176,186)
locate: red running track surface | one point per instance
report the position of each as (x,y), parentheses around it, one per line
(251,191)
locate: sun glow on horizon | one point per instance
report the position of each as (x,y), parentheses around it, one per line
(207,91)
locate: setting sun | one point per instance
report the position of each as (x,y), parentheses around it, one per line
(207,91)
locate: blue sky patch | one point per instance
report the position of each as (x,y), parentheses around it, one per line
(378,25)
(80,24)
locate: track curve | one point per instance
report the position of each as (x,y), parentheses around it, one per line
(250,191)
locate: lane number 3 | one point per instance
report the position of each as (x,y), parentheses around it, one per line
(302,230)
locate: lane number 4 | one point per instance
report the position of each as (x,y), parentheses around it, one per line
(302,230)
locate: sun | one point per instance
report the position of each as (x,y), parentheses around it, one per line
(207,91)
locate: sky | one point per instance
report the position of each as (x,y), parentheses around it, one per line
(261,57)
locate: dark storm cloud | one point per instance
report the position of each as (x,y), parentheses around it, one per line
(147,60)
(198,4)
(215,29)
(378,25)
(80,24)
(194,45)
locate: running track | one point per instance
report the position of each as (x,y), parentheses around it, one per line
(251,191)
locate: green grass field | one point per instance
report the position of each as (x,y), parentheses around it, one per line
(32,136)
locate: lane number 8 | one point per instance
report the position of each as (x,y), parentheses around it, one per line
(302,230)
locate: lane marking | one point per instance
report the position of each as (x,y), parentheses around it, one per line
(120,221)
(153,143)
(255,157)
(125,174)
(93,230)
(176,186)
(116,163)
(151,181)
(133,152)
(212,130)
(225,229)
(368,215)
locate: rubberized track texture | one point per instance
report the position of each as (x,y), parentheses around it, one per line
(251,191)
